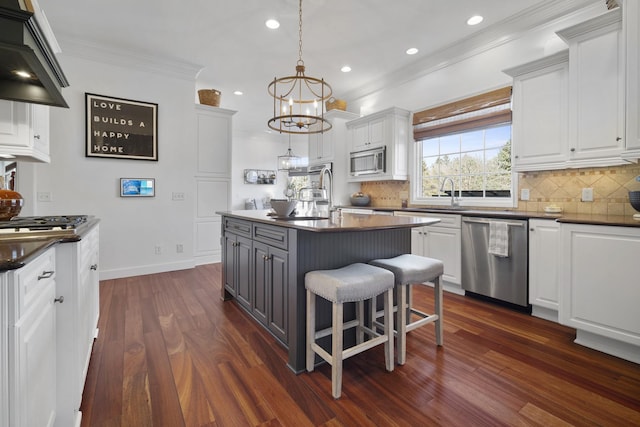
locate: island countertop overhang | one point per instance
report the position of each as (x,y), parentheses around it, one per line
(347,222)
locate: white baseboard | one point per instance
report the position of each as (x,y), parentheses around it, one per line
(545,313)
(607,345)
(146,269)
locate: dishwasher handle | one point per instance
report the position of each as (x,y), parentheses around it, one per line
(487,221)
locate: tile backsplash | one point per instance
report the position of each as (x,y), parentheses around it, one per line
(562,188)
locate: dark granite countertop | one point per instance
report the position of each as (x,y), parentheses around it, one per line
(348,222)
(593,219)
(16,250)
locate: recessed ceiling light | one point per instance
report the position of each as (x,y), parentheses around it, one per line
(23,74)
(272,23)
(475,20)
(412,51)
(237,92)
(345,69)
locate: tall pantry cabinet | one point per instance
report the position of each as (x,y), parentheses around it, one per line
(212,179)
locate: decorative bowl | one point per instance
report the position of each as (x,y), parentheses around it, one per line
(360,199)
(10,204)
(634,199)
(283,207)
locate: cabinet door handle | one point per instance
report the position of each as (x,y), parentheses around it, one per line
(36,136)
(93,267)
(60,299)
(618,138)
(573,150)
(45,275)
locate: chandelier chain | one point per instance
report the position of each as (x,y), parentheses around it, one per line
(300,33)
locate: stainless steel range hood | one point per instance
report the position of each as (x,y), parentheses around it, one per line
(23,47)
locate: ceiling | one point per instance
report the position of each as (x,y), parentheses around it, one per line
(229,39)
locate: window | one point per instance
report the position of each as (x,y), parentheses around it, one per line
(472,147)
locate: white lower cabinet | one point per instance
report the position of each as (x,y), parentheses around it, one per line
(48,318)
(32,375)
(600,288)
(440,241)
(544,253)
(77,321)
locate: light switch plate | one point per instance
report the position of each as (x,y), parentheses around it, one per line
(524,194)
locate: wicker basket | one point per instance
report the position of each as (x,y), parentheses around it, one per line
(336,104)
(209,97)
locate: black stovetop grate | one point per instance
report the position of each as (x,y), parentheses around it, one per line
(45,222)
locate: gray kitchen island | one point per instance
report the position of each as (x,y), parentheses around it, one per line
(265,259)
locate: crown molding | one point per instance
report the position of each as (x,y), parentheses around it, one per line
(129,58)
(546,14)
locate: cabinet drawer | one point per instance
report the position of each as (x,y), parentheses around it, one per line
(274,236)
(237,226)
(31,280)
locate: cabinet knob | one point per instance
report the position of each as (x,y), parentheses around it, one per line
(618,138)
(36,136)
(45,275)
(94,267)
(573,150)
(517,157)
(60,299)
(532,229)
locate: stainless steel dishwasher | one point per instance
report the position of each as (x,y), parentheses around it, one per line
(502,278)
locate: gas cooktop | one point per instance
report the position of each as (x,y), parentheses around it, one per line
(41,226)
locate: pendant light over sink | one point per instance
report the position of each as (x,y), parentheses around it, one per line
(289,160)
(298,101)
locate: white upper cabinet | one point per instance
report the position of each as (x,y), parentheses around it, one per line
(540,113)
(214,141)
(24,131)
(631,16)
(387,128)
(368,134)
(596,90)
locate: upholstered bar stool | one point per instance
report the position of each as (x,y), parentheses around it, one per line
(353,283)
(411,269)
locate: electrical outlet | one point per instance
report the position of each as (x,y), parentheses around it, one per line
(179,248)
(587,194)
(177,196)
(45,196)
(524,194)
(158,250)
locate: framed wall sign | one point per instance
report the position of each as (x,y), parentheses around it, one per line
(137,187)
(121,128)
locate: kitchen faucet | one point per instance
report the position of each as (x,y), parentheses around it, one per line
(454,202)
(327,170)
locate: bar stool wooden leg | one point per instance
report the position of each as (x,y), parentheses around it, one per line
(336,351)
(437,288)
(388,330)
(311,329)
(402,324)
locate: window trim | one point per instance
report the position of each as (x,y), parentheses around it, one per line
(480,111)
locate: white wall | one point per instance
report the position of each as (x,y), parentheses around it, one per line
(260,150)
(130,227)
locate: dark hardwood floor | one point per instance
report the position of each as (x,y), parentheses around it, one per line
(171,353)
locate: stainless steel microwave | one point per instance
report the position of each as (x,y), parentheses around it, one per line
(368,162)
